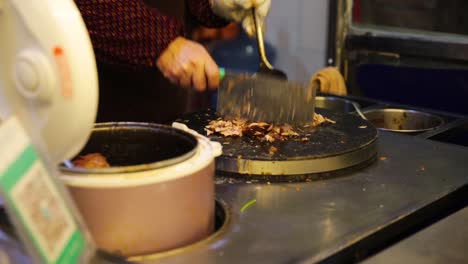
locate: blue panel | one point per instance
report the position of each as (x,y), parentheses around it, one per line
(440,89)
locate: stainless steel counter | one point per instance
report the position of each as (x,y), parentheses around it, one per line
(338,219)
(443,242)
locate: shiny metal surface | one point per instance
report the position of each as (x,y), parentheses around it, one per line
(290,167)
(265,66)
(347,142)
(413,42)
(334,103)
(408,42)
(260,97)
(313,221)
(402,120)
(443,242)
(223,219)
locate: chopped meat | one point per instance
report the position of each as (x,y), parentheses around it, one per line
(287,130)
(272,150)
(320,119)
(227,128)
(269,138)
(261,125)
(257,129)
(91,161)
(261,130)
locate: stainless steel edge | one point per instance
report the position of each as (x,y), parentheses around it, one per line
(297,167)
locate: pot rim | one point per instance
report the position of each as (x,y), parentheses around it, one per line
(439,119)
(140,167)
(204,155)
(335,98)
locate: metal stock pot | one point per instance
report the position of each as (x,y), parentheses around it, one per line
(158,193)
(403,120)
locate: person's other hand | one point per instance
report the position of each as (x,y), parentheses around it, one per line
(241,11)
(188,64)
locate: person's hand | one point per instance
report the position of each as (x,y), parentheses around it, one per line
(241,11)
(188,64)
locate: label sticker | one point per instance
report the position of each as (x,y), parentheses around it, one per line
(36,202)
(64,71)
(42,210)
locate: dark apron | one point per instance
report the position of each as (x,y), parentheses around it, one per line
(144,94)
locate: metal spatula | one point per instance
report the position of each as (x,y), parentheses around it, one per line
(265,96)
(260,97)
(265,66)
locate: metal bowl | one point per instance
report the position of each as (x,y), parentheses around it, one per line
(334,103)
(402,120)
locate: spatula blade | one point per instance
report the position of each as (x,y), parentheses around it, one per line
(262,98)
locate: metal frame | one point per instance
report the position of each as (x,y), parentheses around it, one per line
(410,42)
(330,59)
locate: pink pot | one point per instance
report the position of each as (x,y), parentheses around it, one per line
(151,207)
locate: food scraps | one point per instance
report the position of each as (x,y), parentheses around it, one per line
(91,161)
(261,130)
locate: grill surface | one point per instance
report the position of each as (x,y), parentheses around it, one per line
(349,142)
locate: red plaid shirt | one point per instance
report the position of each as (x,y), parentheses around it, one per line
(131,33)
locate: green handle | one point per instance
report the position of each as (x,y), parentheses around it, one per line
(222,73)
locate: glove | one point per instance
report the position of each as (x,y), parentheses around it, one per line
(241,11)
(329,81)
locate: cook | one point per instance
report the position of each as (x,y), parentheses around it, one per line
(146,61)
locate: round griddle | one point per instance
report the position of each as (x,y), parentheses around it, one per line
(349,142)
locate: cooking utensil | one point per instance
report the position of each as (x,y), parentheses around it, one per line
(260,97)
(358,110)
(264,96)
(402,120)
(265,66)
(132,210)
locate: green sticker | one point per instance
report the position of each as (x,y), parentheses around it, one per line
(38,205)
